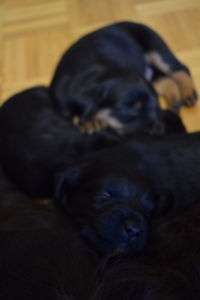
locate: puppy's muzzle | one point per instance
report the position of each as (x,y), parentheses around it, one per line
(135,235)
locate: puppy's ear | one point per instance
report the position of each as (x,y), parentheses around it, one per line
(65,183)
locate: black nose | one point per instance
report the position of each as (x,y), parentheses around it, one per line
(132,230)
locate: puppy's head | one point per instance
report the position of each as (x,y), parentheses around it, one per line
(137,108)
(110,202)
(128,104)
(122,100)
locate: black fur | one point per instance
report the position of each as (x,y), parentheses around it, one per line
(36,142)
(113,194)
(42,256)
(169,269)
(106,70)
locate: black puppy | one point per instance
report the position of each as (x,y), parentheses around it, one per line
(36,142)
(113,195)
(169,269)
(105,79)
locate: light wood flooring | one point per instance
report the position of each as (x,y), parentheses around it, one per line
(34,34)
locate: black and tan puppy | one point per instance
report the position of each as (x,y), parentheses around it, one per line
(113,195)
(36,142)
(107,79)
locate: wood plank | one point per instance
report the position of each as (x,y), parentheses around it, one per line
(34,34)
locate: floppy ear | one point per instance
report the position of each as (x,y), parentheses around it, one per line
(65,183)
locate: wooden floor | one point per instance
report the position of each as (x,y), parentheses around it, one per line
(34,33)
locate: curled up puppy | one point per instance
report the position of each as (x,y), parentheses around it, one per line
(113,76)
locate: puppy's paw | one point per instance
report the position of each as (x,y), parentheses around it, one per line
(178,90)
(169,90)
(90,127)
(186,86)
(76,121)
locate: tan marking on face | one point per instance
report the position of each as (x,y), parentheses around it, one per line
(155,59)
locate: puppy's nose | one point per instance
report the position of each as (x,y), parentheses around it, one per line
(132,230)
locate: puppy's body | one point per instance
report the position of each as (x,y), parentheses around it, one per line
(36,142)
(42,256)
(114,194)
(105,76)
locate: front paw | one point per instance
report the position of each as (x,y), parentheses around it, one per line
(90,127)
(186,86)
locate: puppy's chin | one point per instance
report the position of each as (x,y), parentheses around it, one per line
(135,246)
(106,247)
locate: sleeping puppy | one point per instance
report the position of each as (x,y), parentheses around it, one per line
(169,269)
(107,78)
(113,195)
(36,142)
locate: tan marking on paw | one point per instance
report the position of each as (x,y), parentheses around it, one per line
(101,120)
(76,120)
(186,86)
(168,89)
(93,126)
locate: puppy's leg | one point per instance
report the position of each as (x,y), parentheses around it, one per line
(175,85)
(174,81)
(168,89)
(186,85)
(90,127)
(102,119)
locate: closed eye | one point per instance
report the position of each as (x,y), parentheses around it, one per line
(106,195)
(103,199)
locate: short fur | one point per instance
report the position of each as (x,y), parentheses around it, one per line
(114,194)
(42,256)
(169,269)
(112,70)
(36,142)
